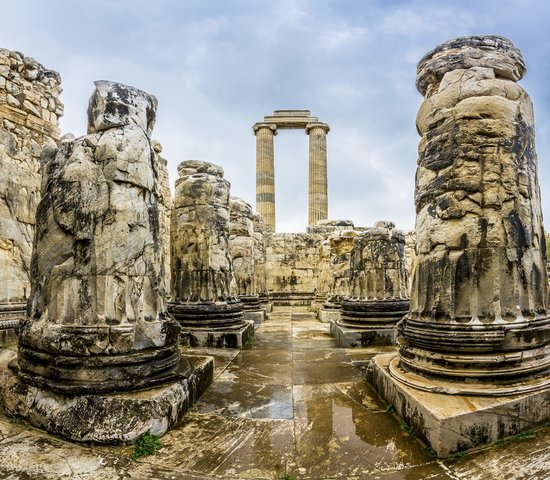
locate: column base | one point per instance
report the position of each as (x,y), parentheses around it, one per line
(105,418)
(362,337)
(328,315)
(453,424)
(222,337)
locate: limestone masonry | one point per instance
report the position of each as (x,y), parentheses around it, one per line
(29,114)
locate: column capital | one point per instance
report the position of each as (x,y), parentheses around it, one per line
(322,125)
(271,126)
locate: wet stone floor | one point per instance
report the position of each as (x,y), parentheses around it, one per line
(290,405)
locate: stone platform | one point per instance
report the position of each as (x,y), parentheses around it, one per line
(218,337)
(288,404)
(105,418)
(349,337)
(328,315)
(256,316)
(452,424)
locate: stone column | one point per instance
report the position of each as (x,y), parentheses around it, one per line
(29,113)
(260,274)
(317,193)
(202,271)
(265,172)
(97,320)
(378,295)
(479,292)
(241,241)
(160,168)
(341,245)
(478,322)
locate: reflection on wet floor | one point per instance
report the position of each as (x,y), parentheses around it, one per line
(308,411)
(290,403)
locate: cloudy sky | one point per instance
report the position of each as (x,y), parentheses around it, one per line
(217,67)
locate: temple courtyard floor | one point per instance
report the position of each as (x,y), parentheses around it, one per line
(290,405)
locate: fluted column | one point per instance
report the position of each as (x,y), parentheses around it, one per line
(265,172)
(479,311)
(378,294)
(317,194)
(202,270)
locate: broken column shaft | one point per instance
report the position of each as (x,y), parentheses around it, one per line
(378,294)
(202,272)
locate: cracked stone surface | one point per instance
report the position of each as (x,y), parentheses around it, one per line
(275,408)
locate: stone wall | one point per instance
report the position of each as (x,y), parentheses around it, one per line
(291,264)
(29,113)
(293,260)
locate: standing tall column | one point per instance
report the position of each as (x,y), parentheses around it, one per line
(317,194)
(479,293)
(265,172)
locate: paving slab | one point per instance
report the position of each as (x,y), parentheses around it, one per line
(289,403)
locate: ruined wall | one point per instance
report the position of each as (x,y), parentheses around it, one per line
(291,262)
(29,113)
(294,260)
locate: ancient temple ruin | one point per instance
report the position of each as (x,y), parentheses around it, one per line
(265,163)
(130,290)
(477,332)
(29,120)
(97,321)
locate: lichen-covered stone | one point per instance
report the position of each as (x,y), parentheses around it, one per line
(202,272)
(378,292)
(241,241)
(29,112)
(96,314)
(479,290)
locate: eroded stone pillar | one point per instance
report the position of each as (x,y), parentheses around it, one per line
(97,319)
(378,294)
(265,172)
(242,248)
(478,323)
(29,113)
(160,168)
(479,292)
(260,273)
(202,272)
(317,192)
(341,245)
